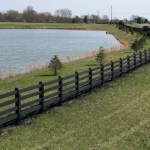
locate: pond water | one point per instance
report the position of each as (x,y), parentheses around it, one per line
(20,47)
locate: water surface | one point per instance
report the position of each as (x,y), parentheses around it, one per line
(19,47)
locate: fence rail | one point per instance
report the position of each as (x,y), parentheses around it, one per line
(57,91)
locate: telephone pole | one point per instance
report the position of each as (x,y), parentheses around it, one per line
(98,16)
(111,13)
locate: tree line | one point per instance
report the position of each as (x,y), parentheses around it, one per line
(60,16)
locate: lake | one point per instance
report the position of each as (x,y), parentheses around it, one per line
(20,47)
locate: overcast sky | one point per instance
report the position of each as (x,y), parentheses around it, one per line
(121,8)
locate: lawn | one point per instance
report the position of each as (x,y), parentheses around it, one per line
(115,117)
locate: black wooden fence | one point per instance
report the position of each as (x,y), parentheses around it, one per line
(38,98)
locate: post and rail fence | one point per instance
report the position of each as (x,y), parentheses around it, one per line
(45,95)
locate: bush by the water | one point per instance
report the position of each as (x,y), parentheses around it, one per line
(100,57)
(55,64)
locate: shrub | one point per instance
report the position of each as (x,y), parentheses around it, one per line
(100,57)
(136,46)
(55,64)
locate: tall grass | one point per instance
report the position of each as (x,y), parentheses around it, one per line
(91,54)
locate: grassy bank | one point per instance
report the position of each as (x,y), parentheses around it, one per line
(115,117)
(33,78)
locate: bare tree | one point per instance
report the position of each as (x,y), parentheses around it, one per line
(105,18)
(64,14)
(133,18)
(94,18)
(116,20)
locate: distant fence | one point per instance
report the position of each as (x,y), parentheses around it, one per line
(45,95)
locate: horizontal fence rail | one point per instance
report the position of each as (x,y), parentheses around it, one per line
(38,98)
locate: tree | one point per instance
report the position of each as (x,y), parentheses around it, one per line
(146,21)
(94,18)
(73,20)
(132,31)
(127,30)
(77,19)
(100,57)
(138,35)
(13,15)
(105,18)
(85,19)
(136,46)
(64,14)
(55,64)
(139,20)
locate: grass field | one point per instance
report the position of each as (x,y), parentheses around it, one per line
(113,118)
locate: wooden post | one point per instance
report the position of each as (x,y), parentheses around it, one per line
(112,70)
(41,96)
(90,79)
(18,104)
(134,61)
(77,83)
(128,63)
(102,74)
(145,56)
(60,89)
(120,67)
(140,58)
(149,54)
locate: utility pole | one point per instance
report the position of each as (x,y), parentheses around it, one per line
(111,13)
(98,16)
(88,17)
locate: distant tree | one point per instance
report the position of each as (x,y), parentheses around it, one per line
(139,20)
(105,19)
(13,16)
(85,19)
(146,21)
(77,19)
(55,64)
(94,18)
(136,46)
(100,57)
(64,14)
(73,20)
(121,22)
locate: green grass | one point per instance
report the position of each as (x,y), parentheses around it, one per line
(113,118)
(116,117)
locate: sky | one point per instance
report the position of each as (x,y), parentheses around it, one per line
(120,8)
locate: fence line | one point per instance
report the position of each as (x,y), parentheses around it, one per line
(45,95)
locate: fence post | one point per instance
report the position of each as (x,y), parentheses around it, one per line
(102,74)
(77,83)
(120,67)
(140,58)
(134,61)
(18,104)
(41,89)
(149,54)
(60,89)
(112,70)
(145,56)
(90,79)
(128,63)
